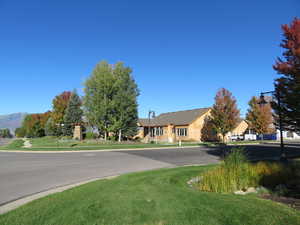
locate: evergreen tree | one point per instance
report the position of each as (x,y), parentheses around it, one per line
(225,114)
(51,128)
(260,117)
(288,85)
(73,114)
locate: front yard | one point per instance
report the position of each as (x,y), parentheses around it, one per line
(153,197)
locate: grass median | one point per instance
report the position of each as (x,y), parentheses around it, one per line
(154,197)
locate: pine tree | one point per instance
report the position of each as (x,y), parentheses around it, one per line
(225,114)
(73,114)
(51,128)
(260,117)
(288,85)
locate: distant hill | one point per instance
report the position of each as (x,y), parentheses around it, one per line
(12,121)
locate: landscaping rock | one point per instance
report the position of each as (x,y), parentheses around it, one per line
(251,190)
(194,180)
(248,191)
(240,192)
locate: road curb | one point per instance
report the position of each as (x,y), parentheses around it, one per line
(13,204)
(104,150)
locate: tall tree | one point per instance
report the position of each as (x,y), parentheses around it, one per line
(288,85)
(110,99)
(225,114)
(124,121)
(60,104)
(260,117)
(99,90)
(73,114)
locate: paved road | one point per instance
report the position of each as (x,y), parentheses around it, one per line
(23,174)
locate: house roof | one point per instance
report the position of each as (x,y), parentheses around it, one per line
(176,118)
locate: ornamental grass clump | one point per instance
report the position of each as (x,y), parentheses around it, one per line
(237,173)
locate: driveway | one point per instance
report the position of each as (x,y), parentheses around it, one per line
(24,174)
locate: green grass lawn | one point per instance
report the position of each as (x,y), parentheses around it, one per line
(54,144)
(153,197)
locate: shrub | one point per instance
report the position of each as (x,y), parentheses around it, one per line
(90,135)
(236,173)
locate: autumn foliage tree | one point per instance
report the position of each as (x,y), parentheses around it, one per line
(260,117)
(288,84)
(60,104)
(34,124)
(224,114)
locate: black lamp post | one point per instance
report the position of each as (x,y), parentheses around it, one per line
(151,113)
(263,102)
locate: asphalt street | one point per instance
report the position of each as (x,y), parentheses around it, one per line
(25,174)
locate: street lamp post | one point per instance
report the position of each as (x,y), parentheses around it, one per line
(262,101)
(151,113)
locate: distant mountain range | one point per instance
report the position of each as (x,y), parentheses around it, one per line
(12,121)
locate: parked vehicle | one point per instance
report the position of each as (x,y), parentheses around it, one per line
(236,137)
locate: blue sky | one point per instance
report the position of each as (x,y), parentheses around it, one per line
(181,52)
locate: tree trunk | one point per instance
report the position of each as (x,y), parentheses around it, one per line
(105,135)
(120,135)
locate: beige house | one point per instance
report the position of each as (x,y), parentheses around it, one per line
(179,126)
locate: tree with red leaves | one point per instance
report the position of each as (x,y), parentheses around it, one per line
(225,114)
(34,125)
(288,85)
(60,104)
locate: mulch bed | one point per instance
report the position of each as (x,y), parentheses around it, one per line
(291,202)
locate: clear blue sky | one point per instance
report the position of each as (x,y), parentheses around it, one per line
(181,52)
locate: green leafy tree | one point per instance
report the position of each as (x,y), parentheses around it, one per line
(20,132)
(288,85)
(99,91)
(110,100)
(124,120)
(5,133)
(225,114)
(73,114)
(260,117)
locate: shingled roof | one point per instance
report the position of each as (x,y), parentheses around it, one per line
(176,118)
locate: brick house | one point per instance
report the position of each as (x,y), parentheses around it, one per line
(181,125)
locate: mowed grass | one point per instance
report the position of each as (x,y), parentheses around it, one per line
(61,144)
(153,197)
(15,144)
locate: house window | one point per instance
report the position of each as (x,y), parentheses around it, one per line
(159,131)
(181,132)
